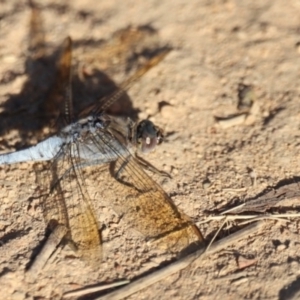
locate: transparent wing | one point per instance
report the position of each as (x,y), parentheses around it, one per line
(68,204)
(59,102)
(105,102)
(142,202)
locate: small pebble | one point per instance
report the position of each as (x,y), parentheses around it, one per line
(281,247)
(206,184)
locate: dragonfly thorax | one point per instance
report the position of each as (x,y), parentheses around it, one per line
(80,129)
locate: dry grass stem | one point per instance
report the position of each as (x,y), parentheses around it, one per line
(89,290)
(250,217)
(216,234)
(154,277)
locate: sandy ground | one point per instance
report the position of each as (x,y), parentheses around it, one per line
(217,47)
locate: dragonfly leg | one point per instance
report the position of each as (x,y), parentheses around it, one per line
(147,166)
(117,173)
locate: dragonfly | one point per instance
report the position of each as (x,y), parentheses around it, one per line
(95,140)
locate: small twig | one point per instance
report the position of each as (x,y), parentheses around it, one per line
(232,121)
(52,258)
(89,290)
(245,217)
(233,276)
(180,264)
(264,218)
(216,234)
(234,190)
(232,209)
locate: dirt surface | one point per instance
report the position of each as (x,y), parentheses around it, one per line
(217,155)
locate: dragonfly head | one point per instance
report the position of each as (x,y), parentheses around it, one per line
(148,136)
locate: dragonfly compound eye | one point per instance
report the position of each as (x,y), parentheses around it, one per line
(148,136)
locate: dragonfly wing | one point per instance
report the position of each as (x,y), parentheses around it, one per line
(143,203)
(105,102)
(68,204)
